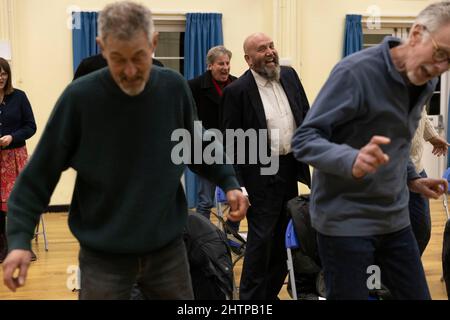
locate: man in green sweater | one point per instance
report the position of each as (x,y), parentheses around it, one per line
(128,208)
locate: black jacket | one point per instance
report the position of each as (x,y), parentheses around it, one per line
(93,63)
(207,99)
(242,108)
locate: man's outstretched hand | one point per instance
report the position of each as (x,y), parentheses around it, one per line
(16,260)
(429,187)
(238,205)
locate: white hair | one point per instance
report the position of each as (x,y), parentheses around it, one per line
(124,19)
(434,16)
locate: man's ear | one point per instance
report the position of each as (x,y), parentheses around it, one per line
(416,34)
(155,40)
(101,45)
(248,60)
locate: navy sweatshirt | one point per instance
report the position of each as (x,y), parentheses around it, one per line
(16,118)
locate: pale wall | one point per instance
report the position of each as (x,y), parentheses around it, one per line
(44,59)
(322,24)
(43,63)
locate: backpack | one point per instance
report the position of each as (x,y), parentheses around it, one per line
(306,257)
(209,259)
(309,279)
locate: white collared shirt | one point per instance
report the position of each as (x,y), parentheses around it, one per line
(278,114)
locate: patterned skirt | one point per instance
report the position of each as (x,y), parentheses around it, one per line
(12,162)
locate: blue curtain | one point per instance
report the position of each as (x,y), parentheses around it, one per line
(84,32)
(203,31)
(353,34)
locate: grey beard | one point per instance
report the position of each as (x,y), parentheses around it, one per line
(270,74)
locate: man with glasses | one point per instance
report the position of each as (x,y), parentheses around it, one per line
(357,136)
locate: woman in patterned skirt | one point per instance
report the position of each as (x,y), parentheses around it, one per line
(16,125)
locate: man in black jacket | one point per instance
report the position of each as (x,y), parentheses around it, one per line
(207,91)
(95,62)
(267,97)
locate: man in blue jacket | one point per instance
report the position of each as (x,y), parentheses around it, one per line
(357,136)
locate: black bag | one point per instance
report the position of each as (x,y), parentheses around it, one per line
(309,278)
(307,267)
(306,258)
(209,259)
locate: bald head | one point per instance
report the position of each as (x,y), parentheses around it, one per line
(261,56)
(251,39)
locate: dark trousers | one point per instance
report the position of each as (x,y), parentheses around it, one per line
(419,214)
(163,274)
(3,241)
(264,269)
(206,200)
(346,260)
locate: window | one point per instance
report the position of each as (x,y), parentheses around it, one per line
(388,26)
(373,37)
(170,49)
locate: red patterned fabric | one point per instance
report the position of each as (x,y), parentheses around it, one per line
(11,163)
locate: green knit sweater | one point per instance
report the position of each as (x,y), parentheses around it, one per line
(128,197)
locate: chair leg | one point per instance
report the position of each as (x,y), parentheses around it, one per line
(36,233)
(44,233)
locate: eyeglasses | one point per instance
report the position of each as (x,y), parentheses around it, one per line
(3,75)
(439,55)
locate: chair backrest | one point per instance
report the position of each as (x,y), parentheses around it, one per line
(446,176)
(220,195)
(291,240)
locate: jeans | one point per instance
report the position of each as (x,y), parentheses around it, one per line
(162,274)
(419,214)
(346,262)
(206,200)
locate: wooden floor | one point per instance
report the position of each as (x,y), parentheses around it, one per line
(49,276)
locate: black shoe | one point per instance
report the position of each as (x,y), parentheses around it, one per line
(236,245)
(3,247)
(307,296)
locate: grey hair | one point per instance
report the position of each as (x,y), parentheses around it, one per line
(124,19)
(434,16)
(216,52)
